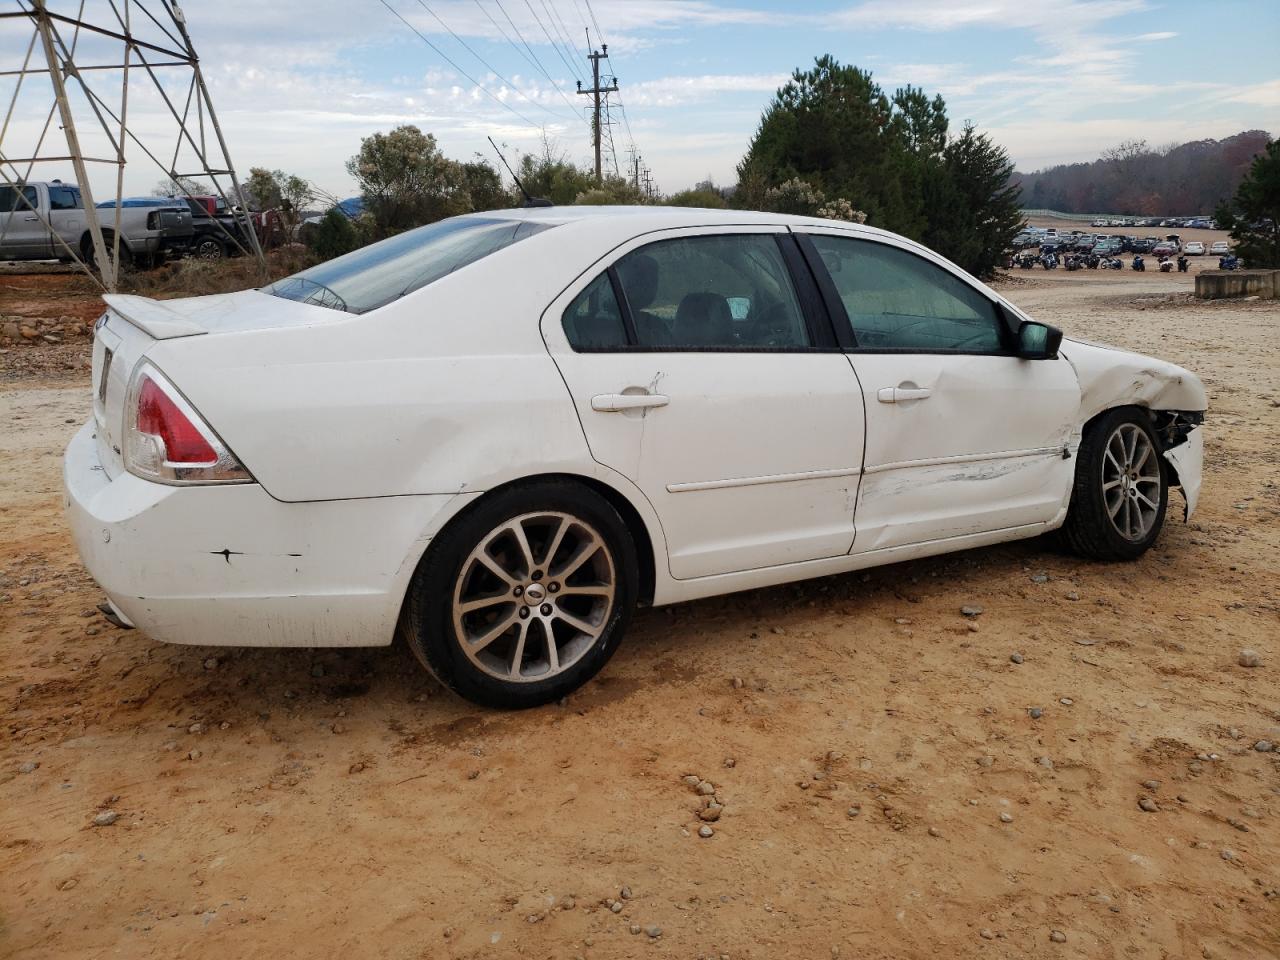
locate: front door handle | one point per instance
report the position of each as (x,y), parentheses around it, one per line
(31,219)
(900,394)
(617,402)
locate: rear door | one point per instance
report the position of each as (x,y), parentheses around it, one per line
(700,371)
(963,437)
(66,215)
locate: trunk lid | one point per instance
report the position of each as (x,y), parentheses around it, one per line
(132,325)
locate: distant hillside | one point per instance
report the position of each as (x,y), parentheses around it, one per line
(1187,179)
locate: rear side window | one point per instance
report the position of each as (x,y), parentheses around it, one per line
(383,272)
(896,300)
(10,200)
(63,198)
(717,292)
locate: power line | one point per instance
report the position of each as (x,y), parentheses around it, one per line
(466,46)
(447,59)
(554,46)
(529,56)
(561,32)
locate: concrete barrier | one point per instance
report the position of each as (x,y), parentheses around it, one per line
(1221,284)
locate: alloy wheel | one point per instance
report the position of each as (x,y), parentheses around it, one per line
(534,596)
(1131,481)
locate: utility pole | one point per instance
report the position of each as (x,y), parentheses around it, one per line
(595,56)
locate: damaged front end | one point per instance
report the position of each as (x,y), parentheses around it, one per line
(1181,435)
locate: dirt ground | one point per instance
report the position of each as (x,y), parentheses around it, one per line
(887,792)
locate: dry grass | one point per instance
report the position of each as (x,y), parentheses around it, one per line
(195,278)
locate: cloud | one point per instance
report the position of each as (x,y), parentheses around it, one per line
(670,91)
(1261,95)
(1160,35)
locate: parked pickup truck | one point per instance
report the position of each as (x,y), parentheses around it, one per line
(28,211)
(218,233)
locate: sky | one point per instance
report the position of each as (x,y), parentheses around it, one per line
(297,85)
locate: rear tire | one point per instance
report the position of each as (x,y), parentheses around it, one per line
(1121,488)
(524,598)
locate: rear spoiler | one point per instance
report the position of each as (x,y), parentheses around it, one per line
(151,316)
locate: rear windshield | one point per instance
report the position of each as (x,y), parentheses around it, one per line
(375,275)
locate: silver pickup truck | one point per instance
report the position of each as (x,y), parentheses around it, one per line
(149,229)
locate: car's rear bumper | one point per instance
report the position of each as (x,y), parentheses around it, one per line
(229,565)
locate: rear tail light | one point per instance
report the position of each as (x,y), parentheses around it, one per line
(166,440)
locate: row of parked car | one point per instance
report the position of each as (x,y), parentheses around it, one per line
(1199,223)
(1051,241)
(46,221)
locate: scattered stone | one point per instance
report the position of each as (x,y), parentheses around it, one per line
(1149,805)
(653,931)
(710,813)
(706,788)
(853,812)
(986,934)
(902,621)
(1249,658)
(170,745)
(691,780)
(1066,701)
(68,884)
(1045,762)
(1264,746)
(1036,713)
(211,663)
(1057,936)
(1151,784)
(705,832)
(106,818)
(635,928)
(935,832)
(196,728)
(1015,657)
(730,762)
(625,893)
(1073,595)
(28,766)
(1228,854)
(195,755)
(615,906)
(986,761)
(1040,578)
(356,767)
(971,611)
(1006,817)
(338,728)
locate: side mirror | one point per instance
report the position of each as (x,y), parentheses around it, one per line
(1038,341)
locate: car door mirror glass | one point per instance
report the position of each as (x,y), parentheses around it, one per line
(1038,341)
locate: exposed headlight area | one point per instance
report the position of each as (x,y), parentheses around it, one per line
(167,441)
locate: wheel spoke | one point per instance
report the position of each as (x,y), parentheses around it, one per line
(585,553)
(1147,500)
(1111,484)
(553,655)
(1114,508)
(1149,478)
(479,643)
(1146,455)
(1115,464)
(479,603)
(577,623)
(518,655)
(517,531)
(555,542)
(494,567)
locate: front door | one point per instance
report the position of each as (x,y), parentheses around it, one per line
(22,233)
(963,437)
(699,372)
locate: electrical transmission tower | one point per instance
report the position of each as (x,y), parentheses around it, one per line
(143,42)
(595,56)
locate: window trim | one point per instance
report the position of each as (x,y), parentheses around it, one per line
(813,311)
(844,331)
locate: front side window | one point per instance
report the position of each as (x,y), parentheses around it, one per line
(63,198)
(896,300)
(712,292)
(375,275)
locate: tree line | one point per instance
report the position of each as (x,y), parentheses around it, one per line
(1135,178)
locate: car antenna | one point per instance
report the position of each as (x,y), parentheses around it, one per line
(529,201)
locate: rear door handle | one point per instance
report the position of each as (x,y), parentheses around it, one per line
(899,394)
(617,402)
(31,219)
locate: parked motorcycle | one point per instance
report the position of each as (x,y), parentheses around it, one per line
(1229,262)
(1049,261)
(1112,263)
(1139,264)
(1166,265)
(1183,264)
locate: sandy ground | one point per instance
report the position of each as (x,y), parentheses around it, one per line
(866,739)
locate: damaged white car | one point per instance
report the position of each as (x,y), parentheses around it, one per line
(500,433)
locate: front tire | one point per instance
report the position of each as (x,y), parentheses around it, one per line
(526,597)
(210,249)
(1121,488)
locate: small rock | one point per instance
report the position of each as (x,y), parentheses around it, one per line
(1151,784)
(106,818)
(1228,854)
(853,812)
(1149,805)
(28,766)
(986,761)
(615,906)
(356,767)
(196,728)
(706,788)
(68,884)
(1015,657)
(986,934)
(691,780)
(730,762)
(635,928)
(1073,596)
(1066,701)
(1036,713)
(211,663)
(1040,578)
(935,832)
(338,728)
(971,611)
(705,832)
(1264,746)
(653,931)
(1249,658)
(710,813)
(1057,936)
(195,755)
(1006,817)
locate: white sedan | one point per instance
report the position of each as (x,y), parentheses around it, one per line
(1194,249)
(1220,248)
(500,433)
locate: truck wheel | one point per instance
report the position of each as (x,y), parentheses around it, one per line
(210,249)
